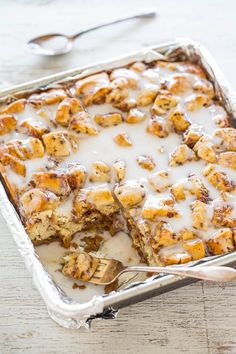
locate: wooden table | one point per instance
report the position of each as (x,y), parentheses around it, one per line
(197,319)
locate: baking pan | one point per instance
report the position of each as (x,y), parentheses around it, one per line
(64,310)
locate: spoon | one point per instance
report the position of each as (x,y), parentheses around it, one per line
(57,43)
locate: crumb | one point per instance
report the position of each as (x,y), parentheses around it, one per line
(150,274)
(74,245)
(58,270)
(111,287)
(77,286)
(122,139)
(160,149)
(146,162)
(92,244)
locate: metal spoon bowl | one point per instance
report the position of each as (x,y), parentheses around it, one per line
(43,45)
(52,44)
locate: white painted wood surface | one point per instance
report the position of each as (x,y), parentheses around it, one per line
(197,319)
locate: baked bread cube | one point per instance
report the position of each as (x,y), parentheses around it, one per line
(93,88)
(196,101)
(158,126)
(76,175)
(225,139)
(128,74)
(119,94)
(7,123)
(25,149)
(223,215)
(192,185)
(17,106)
(181,155)
(198,188)
(177,83)
(60,143)
(32,148)
(179,120)
(79,266)
(222,120)
(36,200)
(219,179)
(138,66)
(147,94)
(182,66)
(164,101)
(125,105)
(47,97)
(15,164)
(205,150)
(164,236)
(130,194)
(159,181)
(119,168)
(221,242)
(122,139)
(199,215)
(100,172)
(170,258)
(227,159)
(119,83)
(97,198)
(204,86)
(146,162)
(192,135)
(159,206)
(82,123)
(195,248)
(54,181)
(186,234)
(33,128)
(108,119)
(67,109)
(13,147)
(178,190)
(135,116)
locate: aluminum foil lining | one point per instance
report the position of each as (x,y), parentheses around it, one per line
(61,308)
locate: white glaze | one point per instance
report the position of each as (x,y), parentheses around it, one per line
(102,147)
(117,247)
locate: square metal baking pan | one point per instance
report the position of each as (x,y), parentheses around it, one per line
(61,308)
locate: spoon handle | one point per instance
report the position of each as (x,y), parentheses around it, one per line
(149,14)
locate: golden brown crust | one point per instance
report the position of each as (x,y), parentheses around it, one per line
(181,155)
(53,181)
(122,139)
(7,123)
(93,89)
(60,143)
(146,162)
(33,129)
(47,97)
(79,266)
(221,242)
(164,101)
(17,106)
(37,200)
(157,126)
(108,119)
